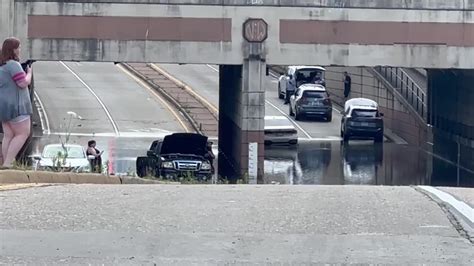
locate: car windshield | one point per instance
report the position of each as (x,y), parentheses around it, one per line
(70,151)
(315,94)
(308,75)
(364,113)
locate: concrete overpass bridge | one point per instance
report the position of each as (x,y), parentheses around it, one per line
(242,36)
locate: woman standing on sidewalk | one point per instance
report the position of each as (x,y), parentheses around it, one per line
(15,103)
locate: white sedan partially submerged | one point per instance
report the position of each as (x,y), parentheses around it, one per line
(63,158)
(280,130)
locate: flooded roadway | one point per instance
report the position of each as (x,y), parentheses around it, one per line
(360,162)
(309,163)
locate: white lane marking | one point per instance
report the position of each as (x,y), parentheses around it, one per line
(43,115)
(460,206)
(273,75)
(112,134)
(154,93)
(291,120)
(276,108)
(114,125)
(433,226)
(213,68)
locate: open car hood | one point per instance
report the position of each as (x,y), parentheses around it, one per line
(184,143)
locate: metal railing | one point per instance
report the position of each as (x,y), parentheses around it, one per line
(407,87)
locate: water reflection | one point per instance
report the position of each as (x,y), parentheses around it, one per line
(315,162)
(282,165)
(360,162)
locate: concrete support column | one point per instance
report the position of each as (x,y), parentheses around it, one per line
(241,119)
(7,12)
(253,114)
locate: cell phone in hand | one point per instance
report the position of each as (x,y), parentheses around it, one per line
(27,64)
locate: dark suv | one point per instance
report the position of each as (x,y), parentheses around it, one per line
(177,155)
(311,100)
(361,119)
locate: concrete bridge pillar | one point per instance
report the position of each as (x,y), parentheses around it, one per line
(7,12)
(451,113)
(241,119)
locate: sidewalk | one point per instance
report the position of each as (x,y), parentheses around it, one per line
(237,225)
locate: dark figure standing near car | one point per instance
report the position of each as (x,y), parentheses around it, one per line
(210,155)
(96,164)
(347,85)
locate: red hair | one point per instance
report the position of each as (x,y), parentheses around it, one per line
(8,50)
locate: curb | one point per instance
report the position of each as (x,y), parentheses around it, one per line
(46,177)
(42,177)
(213,109)
(13,177)
(460,209)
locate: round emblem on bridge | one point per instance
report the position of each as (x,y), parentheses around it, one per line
(255,30)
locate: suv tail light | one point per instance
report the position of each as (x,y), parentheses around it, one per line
(304,101)
(327,101)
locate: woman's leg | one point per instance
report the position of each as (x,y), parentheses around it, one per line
(7,137)
(21,132)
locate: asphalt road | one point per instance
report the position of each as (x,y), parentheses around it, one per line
(123,116)
(204,79)
(226,225)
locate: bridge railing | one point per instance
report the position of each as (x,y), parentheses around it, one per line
(414,94)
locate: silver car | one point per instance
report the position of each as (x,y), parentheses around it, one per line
(64,158)
(279,129)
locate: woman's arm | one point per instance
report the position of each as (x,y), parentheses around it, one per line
(21,78)
(26,81)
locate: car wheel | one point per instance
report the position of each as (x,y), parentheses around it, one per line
(329,117)
(379,138)
(142,166)
(291,110)
(297,115)
(345,137)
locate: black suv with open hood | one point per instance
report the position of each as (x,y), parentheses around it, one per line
(177,155)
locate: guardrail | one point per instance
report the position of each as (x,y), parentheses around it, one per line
(407,87)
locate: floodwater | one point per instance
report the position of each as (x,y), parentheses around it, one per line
(360,162)
(310,163)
